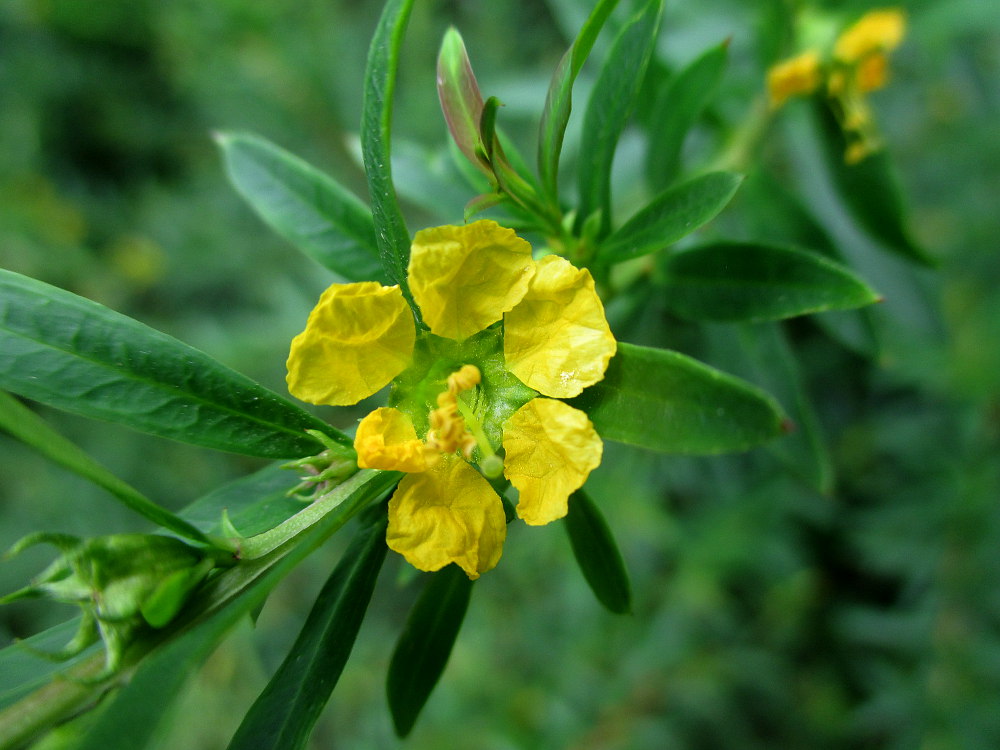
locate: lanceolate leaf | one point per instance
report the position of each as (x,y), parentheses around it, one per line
(608,109)
(677,109)
(283,716)
(870,191)
(748,282)
(426,642)
(81,357)
(25,425)
(559,99)
(672,214)
(666,401)
(305,206)
(597,554)
(391,233)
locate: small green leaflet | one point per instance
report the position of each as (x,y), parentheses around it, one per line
(743,281)
(668,402)
(305,206)
(79,356)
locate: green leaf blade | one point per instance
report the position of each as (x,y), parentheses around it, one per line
(748,282)
(283,715)
(305,206)
(425,645)
(609,107)
(667,402)
(559,98)
(79,356)
(597,554)
(671,215)
(29,428)
(677,109)
(391,233)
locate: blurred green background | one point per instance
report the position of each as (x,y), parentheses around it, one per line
(766,615)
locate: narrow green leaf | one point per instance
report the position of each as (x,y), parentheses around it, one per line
(734,281)
(672,214)
(79,356)
(668,402)
(391,233)
(29,428)
(283,715)
(425,645)
(610,104)
(559,98)
(678,108)
(870,190)
(776,215)
(310,209)
(597,554)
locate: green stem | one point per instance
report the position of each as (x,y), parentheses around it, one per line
(255,547)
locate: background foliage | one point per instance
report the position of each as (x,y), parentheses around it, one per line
(766,614)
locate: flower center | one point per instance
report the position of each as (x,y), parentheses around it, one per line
(455,427)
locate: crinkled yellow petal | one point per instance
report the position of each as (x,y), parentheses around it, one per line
(551,450)
(557,339)
(358,338)
(447,514)
(386,439)
(464,278)
(876,31)
(793,77)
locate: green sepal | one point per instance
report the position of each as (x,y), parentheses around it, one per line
(668,402)
(425,645)
(597,554)
(751,282)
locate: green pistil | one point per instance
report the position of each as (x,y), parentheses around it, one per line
(490,463)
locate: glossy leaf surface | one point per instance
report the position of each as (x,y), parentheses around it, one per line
(425,644)
(76,355)
(597,554)
(668,402)
(748,282)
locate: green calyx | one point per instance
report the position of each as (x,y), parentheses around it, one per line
(498,395)
(121,583)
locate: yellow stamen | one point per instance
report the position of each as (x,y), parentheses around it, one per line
(455,427)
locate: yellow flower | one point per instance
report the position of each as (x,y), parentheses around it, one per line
(508,335)
(876,32)
(793,77)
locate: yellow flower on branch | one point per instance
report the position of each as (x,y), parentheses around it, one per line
(472,397)
(857,65)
